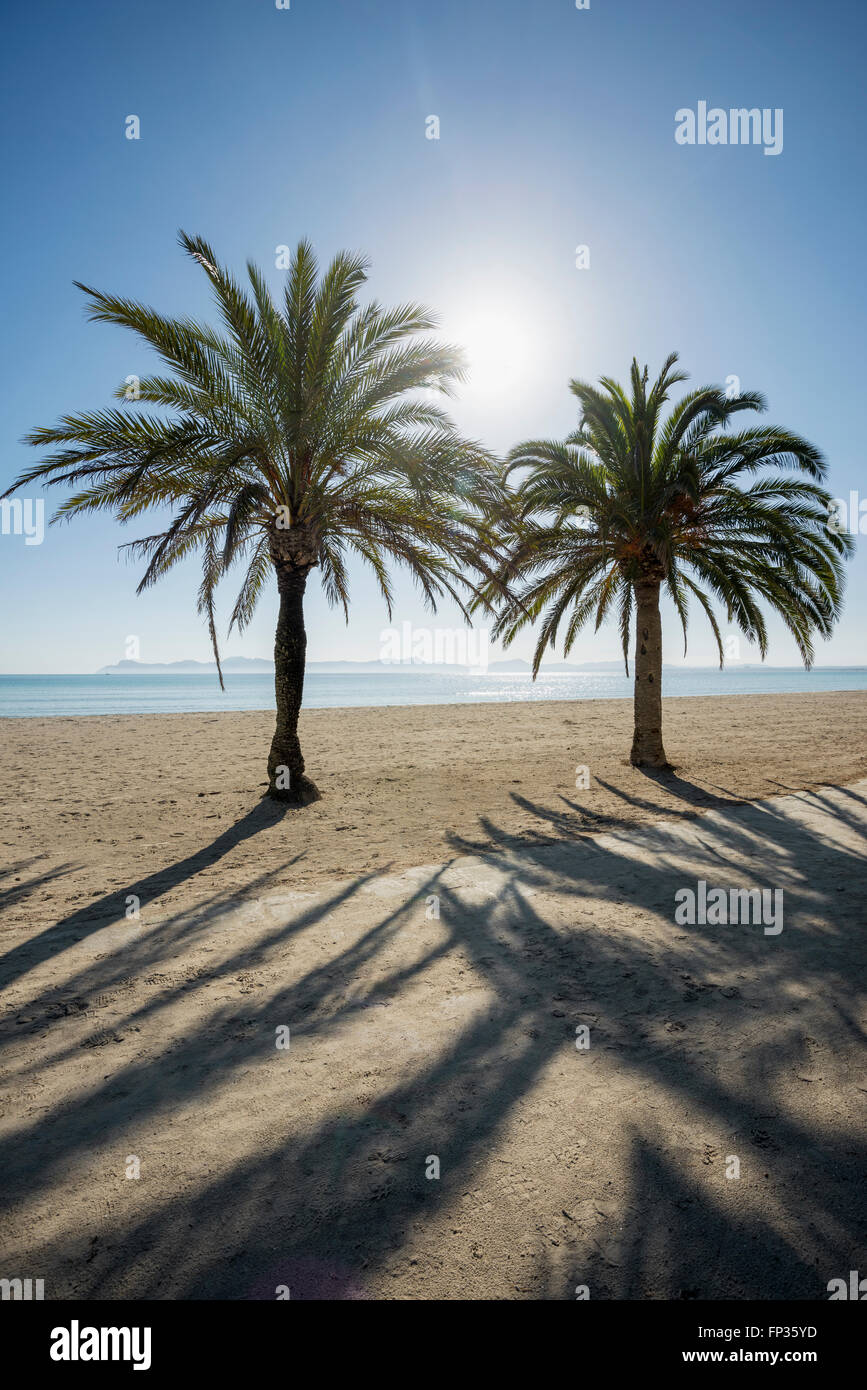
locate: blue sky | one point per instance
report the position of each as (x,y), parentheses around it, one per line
(259,126)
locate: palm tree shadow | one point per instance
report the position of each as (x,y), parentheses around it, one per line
(17,889)
(675,1220)
(326,1202)
(87,921)
(668,780)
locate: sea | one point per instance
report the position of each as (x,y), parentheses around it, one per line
(64,696)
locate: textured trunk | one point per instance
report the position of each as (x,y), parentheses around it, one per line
(647,749)
(286,780)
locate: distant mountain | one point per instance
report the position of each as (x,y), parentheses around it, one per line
(186,668)
(257,665)
(241,665)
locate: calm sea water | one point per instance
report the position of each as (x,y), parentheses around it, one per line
(72,695)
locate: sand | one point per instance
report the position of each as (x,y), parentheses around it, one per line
(169,806)
(416,1036)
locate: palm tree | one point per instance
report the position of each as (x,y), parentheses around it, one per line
(632,502)
(299,435)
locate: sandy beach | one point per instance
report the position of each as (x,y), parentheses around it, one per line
(432,934)
(169,806)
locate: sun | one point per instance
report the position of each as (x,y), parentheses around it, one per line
(497,348)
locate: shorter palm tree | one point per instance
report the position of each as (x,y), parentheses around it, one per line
(301,434)
(633,504)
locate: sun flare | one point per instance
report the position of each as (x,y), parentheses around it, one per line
(497,349)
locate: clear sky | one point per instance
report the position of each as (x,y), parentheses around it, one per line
(260,125)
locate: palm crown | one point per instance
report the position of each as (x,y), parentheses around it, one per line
(634,500)
(302,432)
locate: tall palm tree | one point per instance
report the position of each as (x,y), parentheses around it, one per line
(634,502)
(301,433)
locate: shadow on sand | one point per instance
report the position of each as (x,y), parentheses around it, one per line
(319,1208)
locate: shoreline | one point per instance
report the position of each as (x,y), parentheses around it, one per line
(307,710)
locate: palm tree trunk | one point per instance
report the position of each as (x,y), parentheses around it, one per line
(647,749)
(286,779)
